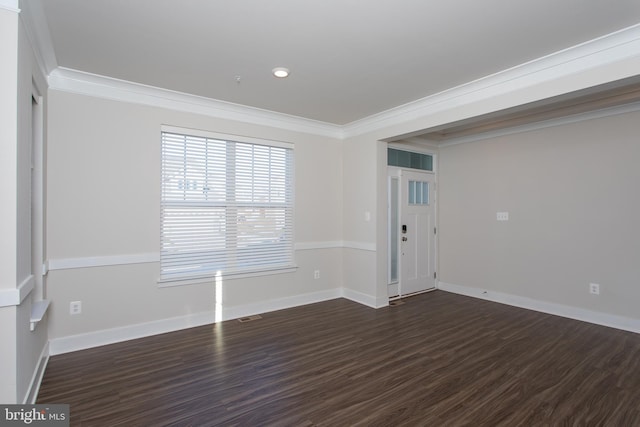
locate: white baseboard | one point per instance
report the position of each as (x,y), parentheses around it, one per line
(130,332)
(34,387)
(598,318)
(125,333)
(364,299)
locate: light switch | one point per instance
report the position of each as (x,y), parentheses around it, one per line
(502,216)
(367,216)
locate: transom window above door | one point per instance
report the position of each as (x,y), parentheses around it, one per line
(409,160)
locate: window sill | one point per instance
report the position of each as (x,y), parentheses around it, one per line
(168,283)
(38,310)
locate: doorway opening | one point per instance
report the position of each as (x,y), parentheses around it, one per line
(411,223)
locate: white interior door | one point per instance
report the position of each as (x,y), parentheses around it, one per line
(417,232)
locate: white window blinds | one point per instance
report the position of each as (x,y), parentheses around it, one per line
(227,207)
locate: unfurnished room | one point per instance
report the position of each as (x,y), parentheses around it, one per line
(319,213)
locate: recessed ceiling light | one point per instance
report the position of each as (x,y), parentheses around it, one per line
(280,72)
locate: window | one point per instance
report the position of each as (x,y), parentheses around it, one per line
(406,159)
(227,205)
(394,228)
(418,193)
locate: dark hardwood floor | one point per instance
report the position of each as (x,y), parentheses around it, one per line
(439,359)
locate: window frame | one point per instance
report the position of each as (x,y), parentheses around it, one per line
(287,208)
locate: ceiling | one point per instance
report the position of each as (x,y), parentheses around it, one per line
(349,59)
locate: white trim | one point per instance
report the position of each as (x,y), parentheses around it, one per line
(38,310)
(415,146)
(110,336)
(338,244)
(307,246)
(362,246)
(417,143)
(144,258)
(596,317)
(15,296)
(102,261)
(36,380)
(25,288)
(130,332)
(9,297)
(37,29)
(79,82)
(10,5)
(602,51)
(365,299)
(575,118)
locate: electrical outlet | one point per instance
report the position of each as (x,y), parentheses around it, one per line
(75,307)
(594,288)
(316,274)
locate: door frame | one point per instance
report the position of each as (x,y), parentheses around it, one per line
(394,172)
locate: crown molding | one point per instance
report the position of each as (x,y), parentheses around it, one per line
(74,81)
(602,51)
(597,53)
(10,5)
(37,29)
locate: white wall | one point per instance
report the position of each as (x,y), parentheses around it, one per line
(595,63)
(29,344)
(104,201)
(584,176)
(20,355)
(361,197)
(572,196)
(8,147)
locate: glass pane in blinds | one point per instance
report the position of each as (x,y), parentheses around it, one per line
(406,159)
(227,207)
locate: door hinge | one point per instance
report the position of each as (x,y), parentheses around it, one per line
(434,275)
(434,230)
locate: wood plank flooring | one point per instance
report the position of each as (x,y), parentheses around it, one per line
(438,360)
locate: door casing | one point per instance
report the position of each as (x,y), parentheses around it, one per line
(394,179)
